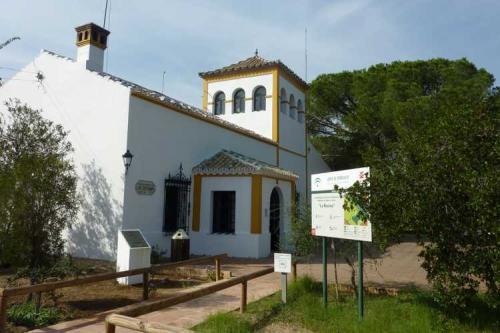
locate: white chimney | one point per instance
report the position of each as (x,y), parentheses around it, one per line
(91,41)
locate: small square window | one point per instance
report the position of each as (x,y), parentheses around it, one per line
(223,212)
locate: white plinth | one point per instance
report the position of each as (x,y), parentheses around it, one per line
(132,255)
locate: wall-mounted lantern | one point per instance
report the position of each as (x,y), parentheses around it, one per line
(127,160)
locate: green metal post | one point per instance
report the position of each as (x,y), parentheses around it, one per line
(325,282)
(360,281)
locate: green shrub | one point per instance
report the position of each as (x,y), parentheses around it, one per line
(24,314)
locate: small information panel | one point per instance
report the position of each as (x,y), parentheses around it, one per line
(283,262)
(329,218)
(134,239)
(145,187)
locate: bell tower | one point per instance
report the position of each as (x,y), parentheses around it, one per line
(91,41)
(264,96)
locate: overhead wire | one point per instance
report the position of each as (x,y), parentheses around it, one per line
(81,141)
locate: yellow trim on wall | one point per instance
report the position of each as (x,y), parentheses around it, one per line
(256,219)
(195,226)
(232,76)
(205,95)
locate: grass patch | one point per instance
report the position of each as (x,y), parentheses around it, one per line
(411,311)
(24,314)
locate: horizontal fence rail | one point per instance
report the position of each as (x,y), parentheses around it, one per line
(6,293)
(138,309)
(114,320)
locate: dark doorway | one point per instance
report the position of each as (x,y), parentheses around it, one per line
(274,220)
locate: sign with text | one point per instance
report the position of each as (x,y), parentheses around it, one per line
(283,262)
(329,218)
(145,187)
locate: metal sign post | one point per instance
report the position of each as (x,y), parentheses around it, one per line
(325,281)
(283,265)
(361,305)
(284,287)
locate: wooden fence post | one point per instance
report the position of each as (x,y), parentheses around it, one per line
(145,286)
(294,271)
(110,328)
(243,305)
(217,269)
(3,310)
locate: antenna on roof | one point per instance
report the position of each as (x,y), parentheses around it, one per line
(305,50)
(105,14)
(163,83)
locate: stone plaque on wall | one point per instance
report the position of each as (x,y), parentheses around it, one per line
(145,187)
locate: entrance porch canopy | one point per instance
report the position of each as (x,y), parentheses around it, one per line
(228,162)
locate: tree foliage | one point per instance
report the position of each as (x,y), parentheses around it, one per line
(429,131)
(37,188)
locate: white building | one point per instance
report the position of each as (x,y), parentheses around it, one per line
(229,173)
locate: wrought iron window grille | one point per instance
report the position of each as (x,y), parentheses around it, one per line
(177,204)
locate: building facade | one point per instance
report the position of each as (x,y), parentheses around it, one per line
(229,173)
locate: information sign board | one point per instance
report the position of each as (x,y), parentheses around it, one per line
(329,218)
(134,238)
(283,262)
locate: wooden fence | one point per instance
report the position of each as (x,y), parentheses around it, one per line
(138,309)
(6,293)
(114,320)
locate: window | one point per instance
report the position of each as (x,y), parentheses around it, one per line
(239,101)
(283,100)
(223,212)
(293,107)
(300,110)
(80,36)
(219,103)
(259,99)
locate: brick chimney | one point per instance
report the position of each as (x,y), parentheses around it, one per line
(91,41)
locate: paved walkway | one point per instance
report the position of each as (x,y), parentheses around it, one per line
(186,314)
(398,267)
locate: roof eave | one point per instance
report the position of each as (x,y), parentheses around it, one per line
(275,65)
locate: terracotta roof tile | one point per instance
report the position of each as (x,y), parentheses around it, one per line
(228,162)
(252,63)
(169,101)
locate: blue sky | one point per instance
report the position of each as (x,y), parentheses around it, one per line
(187,37)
